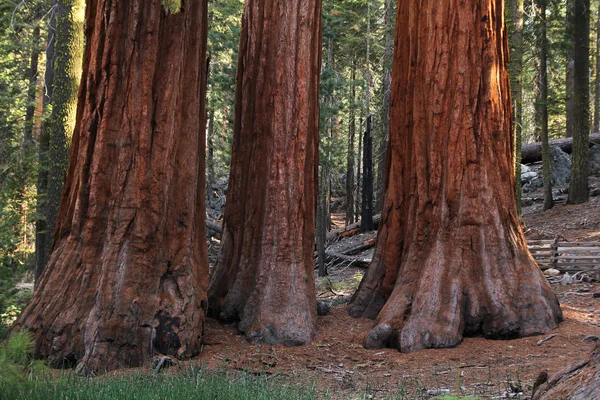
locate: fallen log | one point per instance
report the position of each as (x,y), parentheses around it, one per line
(532,152)
(577,381)
(350,230)
(215,226)
(349,250)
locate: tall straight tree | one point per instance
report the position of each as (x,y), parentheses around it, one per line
(264,275)
(350,215)
(366,214)
(515,20)
(451,259)
(570,67)
(578,187)
(129,270)
(64,72)
(596,126)
(385,109)
(541,100)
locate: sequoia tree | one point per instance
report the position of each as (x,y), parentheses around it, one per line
(264,274)
(128,272)
(451,259)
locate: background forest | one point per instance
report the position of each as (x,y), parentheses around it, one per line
(36,115)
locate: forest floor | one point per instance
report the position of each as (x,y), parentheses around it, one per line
(337,363)
(338,366)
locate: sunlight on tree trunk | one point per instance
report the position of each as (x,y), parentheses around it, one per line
(451,259)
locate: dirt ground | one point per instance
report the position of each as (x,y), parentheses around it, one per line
(338,364)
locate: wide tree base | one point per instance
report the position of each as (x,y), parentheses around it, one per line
(100,323)
(440,297)
(280,320)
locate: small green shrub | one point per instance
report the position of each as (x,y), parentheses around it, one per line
(17,367)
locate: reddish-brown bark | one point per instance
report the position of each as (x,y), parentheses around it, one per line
(264,275)
(451,258)
(128,273)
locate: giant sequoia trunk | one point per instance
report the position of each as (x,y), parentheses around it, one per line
(451,258)
(128,272)
(264,275)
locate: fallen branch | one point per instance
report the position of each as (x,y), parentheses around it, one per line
(350,230)
(346,251)
(214,225)
(550,337)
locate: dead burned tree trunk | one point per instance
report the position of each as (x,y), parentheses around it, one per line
(350,216)
(451,258)
(366,216)
(128,272)
(264,275)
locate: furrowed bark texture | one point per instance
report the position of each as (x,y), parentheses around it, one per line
(264,275)
(451,259)
(128,273)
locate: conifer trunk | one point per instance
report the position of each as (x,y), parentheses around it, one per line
(385,109)
(596,126)
(366,220)
(350,186)
(451,259)
(515,12)
(41,232)
(359,170)
(67,66)
(128,273)
(578,187)
(541,103)
(570,67)
(264,275)
(32,88)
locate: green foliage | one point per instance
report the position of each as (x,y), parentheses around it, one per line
(18,160)
(223,37)
(172,6)
(19,370)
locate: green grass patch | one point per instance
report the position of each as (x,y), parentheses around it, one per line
(192,384)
